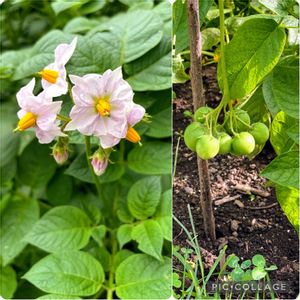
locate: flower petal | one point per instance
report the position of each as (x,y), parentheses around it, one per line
(47,136)
(136,114)
(108,141)
(63,52)
(26,93)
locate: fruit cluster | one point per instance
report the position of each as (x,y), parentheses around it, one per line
(236,135)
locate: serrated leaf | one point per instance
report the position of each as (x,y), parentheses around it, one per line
(17,219)
(36,166)
(61,228)
(142,277)
(288,199)
(8,282)
(143,197)
(251,55)
(144,159)
(124,234)
(149,237)
(163,215)
(67,273)
(284,170)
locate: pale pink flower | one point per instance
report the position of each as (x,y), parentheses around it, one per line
(54,76)
(134,114)
(60,150)
(39,112)
(102,106)
(100,161)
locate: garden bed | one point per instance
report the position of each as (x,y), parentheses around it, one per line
(252,224)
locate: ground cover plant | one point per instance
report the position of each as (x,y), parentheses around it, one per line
(85,149)
(257,57)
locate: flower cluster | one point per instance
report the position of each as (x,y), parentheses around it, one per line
(103,108)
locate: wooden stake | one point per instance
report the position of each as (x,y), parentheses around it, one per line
(198,100)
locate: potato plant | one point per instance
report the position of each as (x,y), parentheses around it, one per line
(86,163)
(257,60)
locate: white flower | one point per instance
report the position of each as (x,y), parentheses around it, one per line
(38,112)
(102,105)
(54,75)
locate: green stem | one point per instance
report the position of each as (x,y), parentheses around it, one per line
(176,158)
(88,155)
(63,118)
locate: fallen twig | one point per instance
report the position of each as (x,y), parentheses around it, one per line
(226,199)
(248,189)
(262,207)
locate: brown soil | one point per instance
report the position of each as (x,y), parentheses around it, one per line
(253,225)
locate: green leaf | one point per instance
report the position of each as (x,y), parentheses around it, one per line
(121,256)
(288,199)
(271,268)
(42,54)
(237,274)
(163,215)
(98,234)
(258,273)
(138,32)
(160,126)
(59,189)
(56,297)
(269,95)
(124,234)
(279,137)
(103,256)
(61,228)
(133,2)
(259,261)
(142,277)
(143,197)
(233,261)
(178,70)
(210,38)
(16,220)
(36,165)
(149,237)
(284,169)
(285,86)
(9,141)
(293,133)
(246,264)
(95,54)
(8,282)
(153,70)
(256,107)
(144,159)
(61,5)
(67,273)
(280,7)
(251,55)
(180,22)
(80,25)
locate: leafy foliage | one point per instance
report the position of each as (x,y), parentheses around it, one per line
(83,244)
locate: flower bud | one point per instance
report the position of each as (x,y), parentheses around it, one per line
(100,160)
(60,151)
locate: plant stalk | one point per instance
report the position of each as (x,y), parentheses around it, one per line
(198,100)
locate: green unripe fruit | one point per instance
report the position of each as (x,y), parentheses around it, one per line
(242,122)
(225,141)
(207,147)
(192,133)
(243,144)
(260,133)
(201,113)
